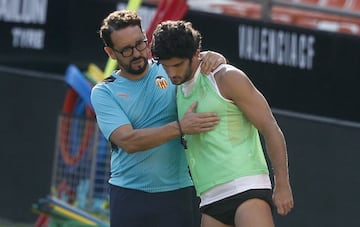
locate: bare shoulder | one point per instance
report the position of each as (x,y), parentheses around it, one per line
(233,82)
(230,74)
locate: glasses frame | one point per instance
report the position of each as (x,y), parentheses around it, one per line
(123,50)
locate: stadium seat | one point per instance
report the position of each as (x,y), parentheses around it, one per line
(352,5)
(349,28)
(249,10)
(332,3)
(283,18)
(316,20)
(312,2)
(288,15)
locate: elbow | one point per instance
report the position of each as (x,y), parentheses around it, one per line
(129,148)
(125,143)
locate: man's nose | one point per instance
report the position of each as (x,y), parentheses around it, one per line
(136,52)
(171,72)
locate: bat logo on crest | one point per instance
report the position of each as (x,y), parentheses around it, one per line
(161,82)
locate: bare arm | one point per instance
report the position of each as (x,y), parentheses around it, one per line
(135,140)
(236,86)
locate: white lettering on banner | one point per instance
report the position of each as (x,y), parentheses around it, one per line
(23,11)
(276,47)
(28,38)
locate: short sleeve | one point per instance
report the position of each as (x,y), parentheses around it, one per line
(109,114)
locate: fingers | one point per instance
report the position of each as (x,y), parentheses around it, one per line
(206,63)
(210,65)
(284,209)
(284,206)
(203,54)
(208,125)
(205,68)
(210,61)
(193,123)
(283,198)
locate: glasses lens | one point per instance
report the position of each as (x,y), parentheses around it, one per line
(127,51)
(141,46)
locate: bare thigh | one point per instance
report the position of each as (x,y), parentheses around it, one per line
(208,221)
(254,213)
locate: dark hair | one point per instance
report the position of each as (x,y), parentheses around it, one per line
(175,39)
(115,21)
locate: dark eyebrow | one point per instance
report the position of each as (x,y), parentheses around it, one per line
(177,64)
(180,63)
(137,42)
(174,65)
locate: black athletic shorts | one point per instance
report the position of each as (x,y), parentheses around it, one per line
(134,208)
(224,210)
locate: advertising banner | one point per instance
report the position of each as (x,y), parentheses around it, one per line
(297,69)
(301,70)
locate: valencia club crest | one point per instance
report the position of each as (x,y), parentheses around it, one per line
(161,82)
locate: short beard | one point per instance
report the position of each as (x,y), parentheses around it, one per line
(128,69)
(188,73)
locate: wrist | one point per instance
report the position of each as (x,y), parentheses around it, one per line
(182,138)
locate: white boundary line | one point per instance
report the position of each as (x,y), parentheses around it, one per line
(32,73)
(315,118)
(59,77)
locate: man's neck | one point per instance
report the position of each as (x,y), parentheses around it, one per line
(188,85)
(194,67)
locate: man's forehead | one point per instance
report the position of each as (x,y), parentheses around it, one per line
(127,35)
(174,61)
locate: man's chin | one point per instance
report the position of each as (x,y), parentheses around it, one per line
(138,71)
(176,82)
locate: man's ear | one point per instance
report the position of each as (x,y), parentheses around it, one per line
(110,52)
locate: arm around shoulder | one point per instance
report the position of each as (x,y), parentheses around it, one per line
(136,140)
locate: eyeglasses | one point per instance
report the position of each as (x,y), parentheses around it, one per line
(129,50)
